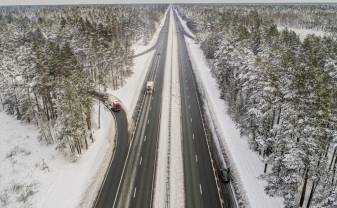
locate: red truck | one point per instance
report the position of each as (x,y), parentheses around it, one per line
(116,106)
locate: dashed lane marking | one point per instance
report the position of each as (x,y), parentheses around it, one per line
(134,192)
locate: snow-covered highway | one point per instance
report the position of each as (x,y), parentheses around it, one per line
(170,163)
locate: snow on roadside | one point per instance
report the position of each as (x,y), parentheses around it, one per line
(130,91)
(184,24)
(36,175)
(248,165)
(244,161)
(176,171)
(302,33)
(177,192)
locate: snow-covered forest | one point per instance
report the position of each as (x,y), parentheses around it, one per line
(53,58)
(316,17)
(281,91)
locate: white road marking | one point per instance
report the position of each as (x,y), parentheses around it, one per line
(200,188)
(140,162)
(196,158)
(134,192)
(145,139)
(193,136)
(191,119)
(148,120)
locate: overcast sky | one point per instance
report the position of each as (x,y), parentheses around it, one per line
(57,2)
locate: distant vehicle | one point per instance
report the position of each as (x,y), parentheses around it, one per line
(149,87)
(224,174)
(116,106)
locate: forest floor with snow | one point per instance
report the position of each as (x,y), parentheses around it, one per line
(244,163)
(302,32)
(34,174)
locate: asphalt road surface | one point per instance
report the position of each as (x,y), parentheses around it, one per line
(202,187)
(137,185)
(109,188)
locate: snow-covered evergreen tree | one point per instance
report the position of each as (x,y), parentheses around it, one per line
(53,58)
